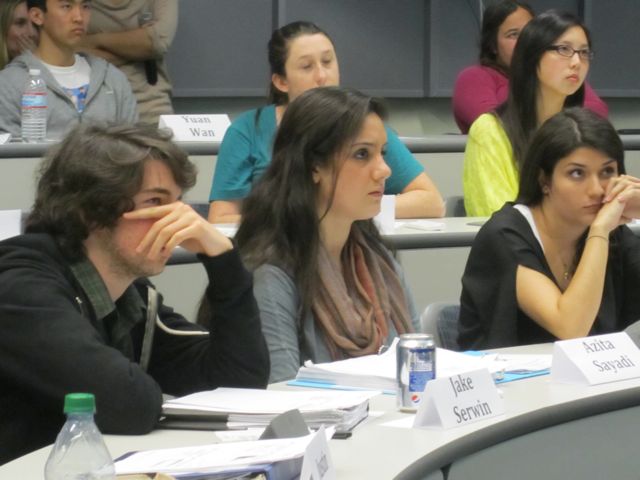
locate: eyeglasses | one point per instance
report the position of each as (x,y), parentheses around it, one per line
(566,51)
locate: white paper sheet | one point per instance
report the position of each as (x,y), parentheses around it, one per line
(422,225)
(250,434)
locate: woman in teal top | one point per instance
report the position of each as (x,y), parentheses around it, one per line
(303,57)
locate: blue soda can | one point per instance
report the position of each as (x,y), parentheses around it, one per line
(415,366)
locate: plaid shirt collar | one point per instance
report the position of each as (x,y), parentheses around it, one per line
(116,319)
(94,287)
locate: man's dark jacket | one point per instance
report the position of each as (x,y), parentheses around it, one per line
(51,344)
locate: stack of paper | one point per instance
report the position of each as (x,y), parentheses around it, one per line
(276,458)
(225,408)
(379,371)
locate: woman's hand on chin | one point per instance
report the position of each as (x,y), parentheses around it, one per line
(625,189)
(610,216)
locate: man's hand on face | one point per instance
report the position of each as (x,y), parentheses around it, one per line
(178,224)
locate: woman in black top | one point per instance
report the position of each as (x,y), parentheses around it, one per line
(558,263)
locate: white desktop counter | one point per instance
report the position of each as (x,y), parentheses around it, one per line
(549,431)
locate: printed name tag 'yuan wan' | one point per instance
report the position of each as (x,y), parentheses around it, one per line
(196,128)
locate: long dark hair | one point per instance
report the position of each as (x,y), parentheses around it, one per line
(519,113)
(7,10)
(280,221)
(88,181)
(278,48)
(492,18)
(556,139)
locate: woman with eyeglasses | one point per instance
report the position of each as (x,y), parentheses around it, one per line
(558,263)
(482,88)
(550,62)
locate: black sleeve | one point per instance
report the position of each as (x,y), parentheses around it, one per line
(49,348)
(233,355)
(488,298)
(629,265)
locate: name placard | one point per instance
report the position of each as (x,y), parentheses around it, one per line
(459,400)
(595,360)
(196,128)
(386,219)
(317,464)
(10,223)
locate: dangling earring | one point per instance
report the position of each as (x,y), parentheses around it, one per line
(545,190)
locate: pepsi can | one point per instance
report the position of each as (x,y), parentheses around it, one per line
(415,366)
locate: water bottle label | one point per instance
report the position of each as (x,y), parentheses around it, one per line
(35,100)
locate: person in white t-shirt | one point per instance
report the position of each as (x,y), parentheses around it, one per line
(81,87)
(74,80)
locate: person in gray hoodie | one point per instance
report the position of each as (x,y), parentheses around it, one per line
(81,88)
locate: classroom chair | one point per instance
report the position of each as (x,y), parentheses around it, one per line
(454,206)
(440,319)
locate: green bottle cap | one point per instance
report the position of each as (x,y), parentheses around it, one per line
(79,403)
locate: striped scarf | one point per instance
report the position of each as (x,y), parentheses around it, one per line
(358,300)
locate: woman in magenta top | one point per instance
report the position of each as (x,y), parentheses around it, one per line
(481,88)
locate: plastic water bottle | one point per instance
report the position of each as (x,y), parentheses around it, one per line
(34,108)
(79,452)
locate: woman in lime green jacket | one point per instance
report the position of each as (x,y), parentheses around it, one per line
(548,69)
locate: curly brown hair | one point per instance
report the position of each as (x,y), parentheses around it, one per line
(88,180)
